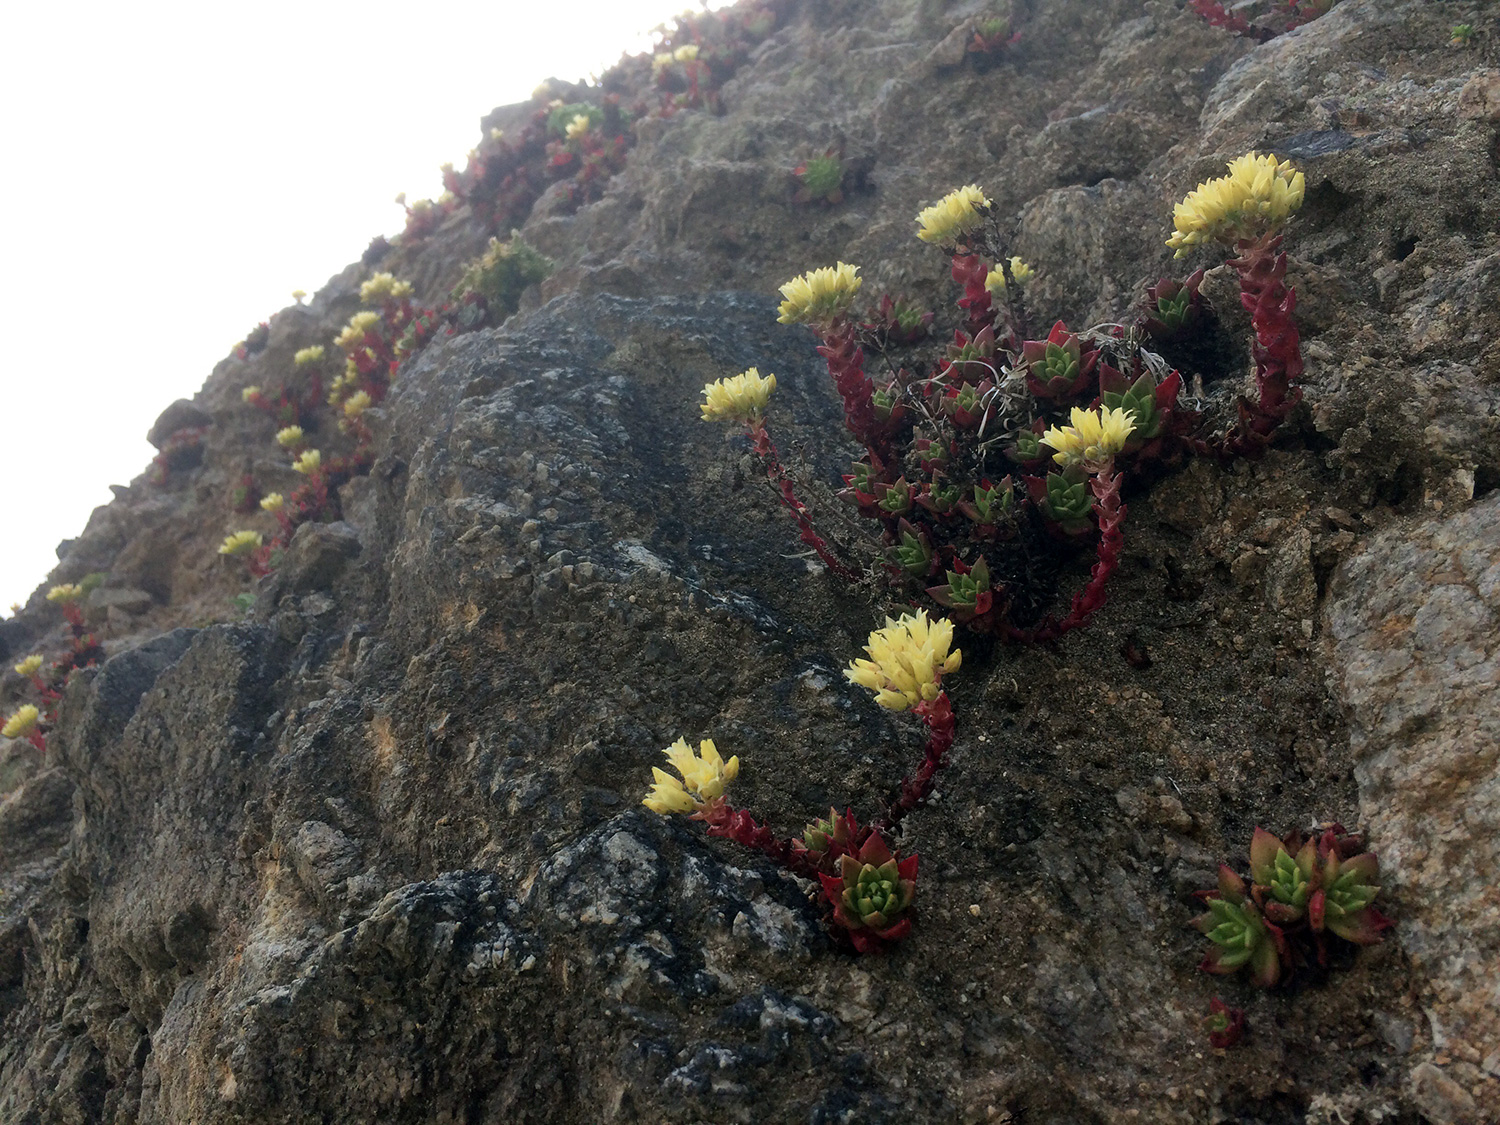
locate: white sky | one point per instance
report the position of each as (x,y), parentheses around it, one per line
(172,171)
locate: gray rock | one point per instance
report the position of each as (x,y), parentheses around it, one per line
(181,415)
(1414,624)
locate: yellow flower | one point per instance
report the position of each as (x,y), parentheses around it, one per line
(309,463)
(356,404)
(249,394)
(578,126)
(65,594)
(298,295)
(1093,439)
(240,543)
(907,661)
(289,437)
(496,134)
(272,502)
(353,334)
(661,61)
(704,776)
(31,665)
(819,296)
(22,723)
(305,356)
(739,399)
(1020,272)
(1257,196)
(957,214)
(686,53)
(384,286)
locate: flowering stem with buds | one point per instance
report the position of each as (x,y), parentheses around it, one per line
(846,363)
(1277,348)
(970,272)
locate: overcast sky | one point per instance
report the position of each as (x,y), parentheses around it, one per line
(174,171)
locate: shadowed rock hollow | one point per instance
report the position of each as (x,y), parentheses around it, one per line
(373,850)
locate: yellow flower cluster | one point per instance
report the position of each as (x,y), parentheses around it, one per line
(31,665)
(22,723)
(704,776)
(384,286)
(686,53)
(661,61)
(819,296)
(240,543)
(305,356)
(272,502)
(577,127)
(65,594)
(907,661)
(290,438)
(1257,196)
(1020,273)
(309,463)
(356,404)
(957,214)
(354,332)
(1093,439)
(249,393)
(741,398)
(298,295)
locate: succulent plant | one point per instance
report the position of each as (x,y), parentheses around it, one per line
(1176,306)
(1240,934)
(1225,1025)
(914,551)
(967,592)
(894,499)
(899,322)
(872,894)
(1064,499)
(991,501)
(820,179)
(1149,401)
(1301,890)
(1058,367)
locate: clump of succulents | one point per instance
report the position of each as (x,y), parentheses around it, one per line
(867,887)
(1261,21)
(1074,411)
(1302,892)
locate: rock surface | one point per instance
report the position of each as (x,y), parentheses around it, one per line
(367,844)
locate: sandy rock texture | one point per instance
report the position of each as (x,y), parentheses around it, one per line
(366,844)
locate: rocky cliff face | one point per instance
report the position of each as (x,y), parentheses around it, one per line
(375,852)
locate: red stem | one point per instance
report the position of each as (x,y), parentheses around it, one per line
(970,272)
(915,789)
(778,478)
(725,820)
(1277,349)
(1088,601)
(846,363)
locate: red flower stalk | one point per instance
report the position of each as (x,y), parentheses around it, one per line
(1277,349)
(846,363)
(777,475)
(1088,601)
(915,789)
(724,820)
(970,272)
